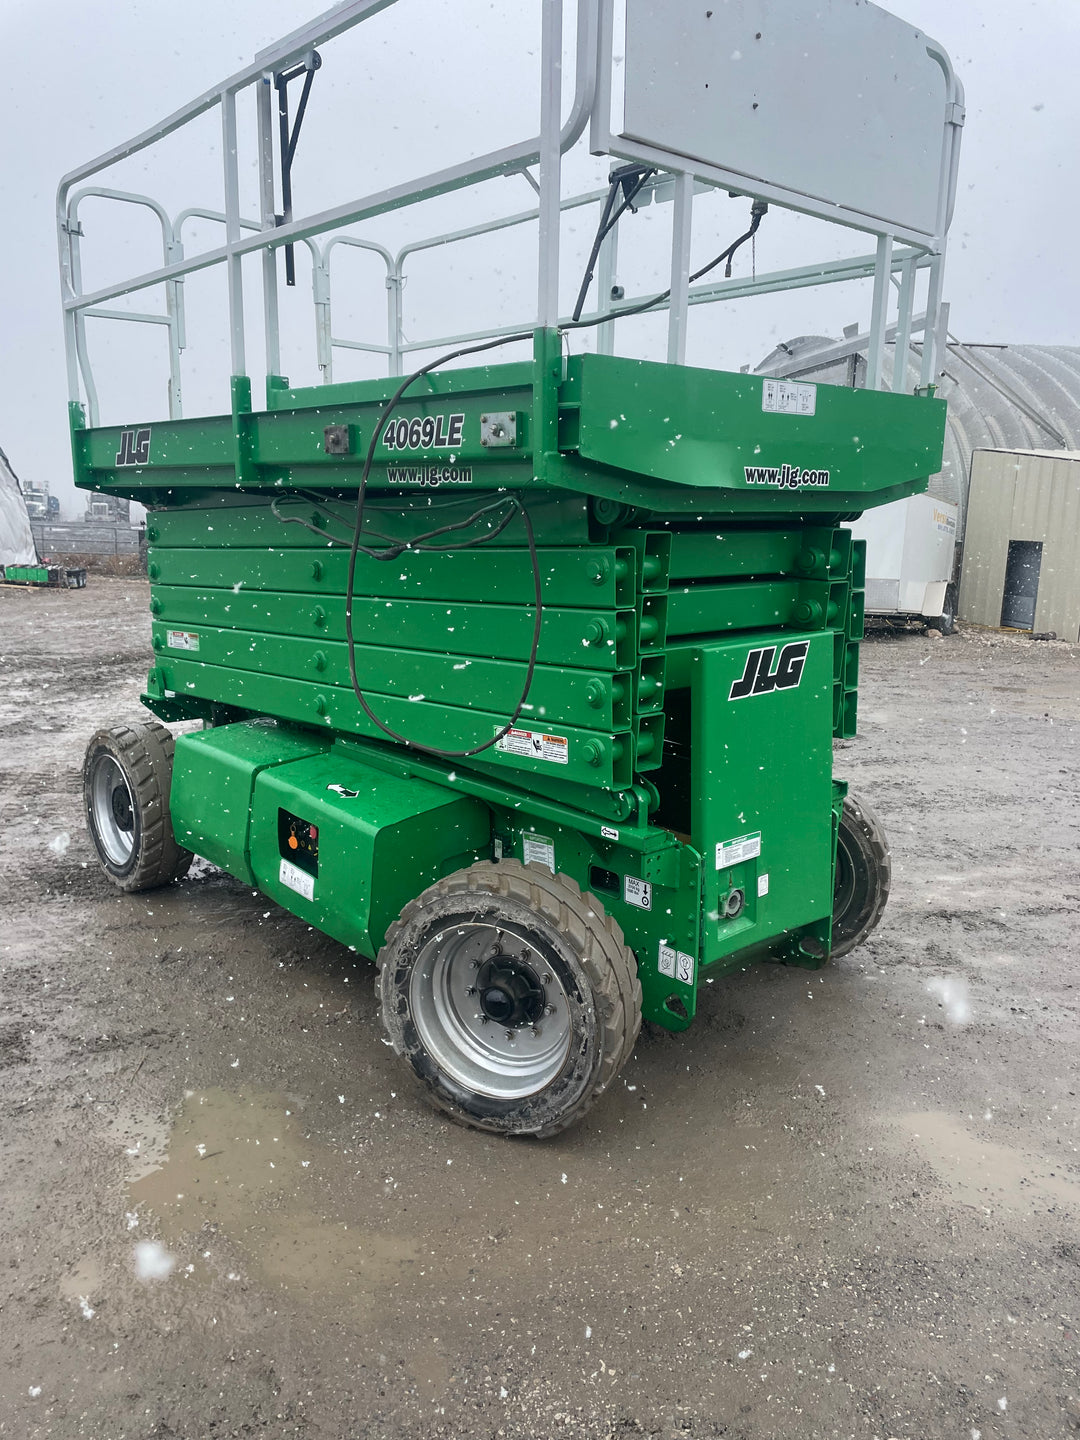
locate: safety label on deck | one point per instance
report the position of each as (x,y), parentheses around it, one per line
(540,849)
(734,852)
(181,640)
(675,964)
(784,397)
(637,892)
(536,745)
(296,879)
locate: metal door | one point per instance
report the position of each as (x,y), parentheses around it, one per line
(1021,584)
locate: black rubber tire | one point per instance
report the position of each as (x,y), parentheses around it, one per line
(595,966)
(863,876)
(946,621)
(144,755)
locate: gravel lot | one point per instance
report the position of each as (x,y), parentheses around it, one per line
(844,1204)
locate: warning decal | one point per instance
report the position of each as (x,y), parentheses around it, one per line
(675,964)
(296,879)
(181,640)
(637,892)
(734,852)
(539,850)
(535,745)
(786,397)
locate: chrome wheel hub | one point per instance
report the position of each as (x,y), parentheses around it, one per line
(490,1010)
(113,810)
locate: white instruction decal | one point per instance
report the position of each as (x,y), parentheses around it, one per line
(784,397)
(536,745)
(675,964)
(637,892)
(762,885)
(608,833)
(181,640)
(540,849)
(734,852)
(296,879)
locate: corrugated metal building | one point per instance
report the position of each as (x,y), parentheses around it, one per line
(1022,548)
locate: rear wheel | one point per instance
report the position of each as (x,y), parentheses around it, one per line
(127,775)
(863,876)
(946,621)
(512,995)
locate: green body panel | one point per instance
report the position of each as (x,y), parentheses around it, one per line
(666,437)
(698,648)
(766,774)
(593,758)
(599,700)
(380,842)
(588,577)
(214,774)
(377,832)
(603,638)
(701,429)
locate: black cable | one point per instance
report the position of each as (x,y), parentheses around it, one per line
(396,548)
(623,178)
(395,542)
(355,548)
(757,211)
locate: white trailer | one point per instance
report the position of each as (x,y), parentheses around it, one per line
(910,555)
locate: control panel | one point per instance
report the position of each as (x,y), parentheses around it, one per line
(298,841)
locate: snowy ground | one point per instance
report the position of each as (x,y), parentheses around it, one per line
(843,1204)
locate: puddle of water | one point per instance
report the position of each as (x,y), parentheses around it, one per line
(988,1175)
(83,1280)
(240,1163)
(143,1137)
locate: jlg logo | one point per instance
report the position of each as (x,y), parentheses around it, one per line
(759,677)
(134,447)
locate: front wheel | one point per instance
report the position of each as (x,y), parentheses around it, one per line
(863,876)
(512,995)
(127,775)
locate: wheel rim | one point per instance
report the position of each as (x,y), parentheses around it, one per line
(490,1010)
(844,888)
(112,810)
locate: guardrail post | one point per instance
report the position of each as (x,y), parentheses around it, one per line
(233,263)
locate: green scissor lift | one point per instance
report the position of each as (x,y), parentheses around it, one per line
(544,821)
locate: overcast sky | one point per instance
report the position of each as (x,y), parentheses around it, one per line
(81,77)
